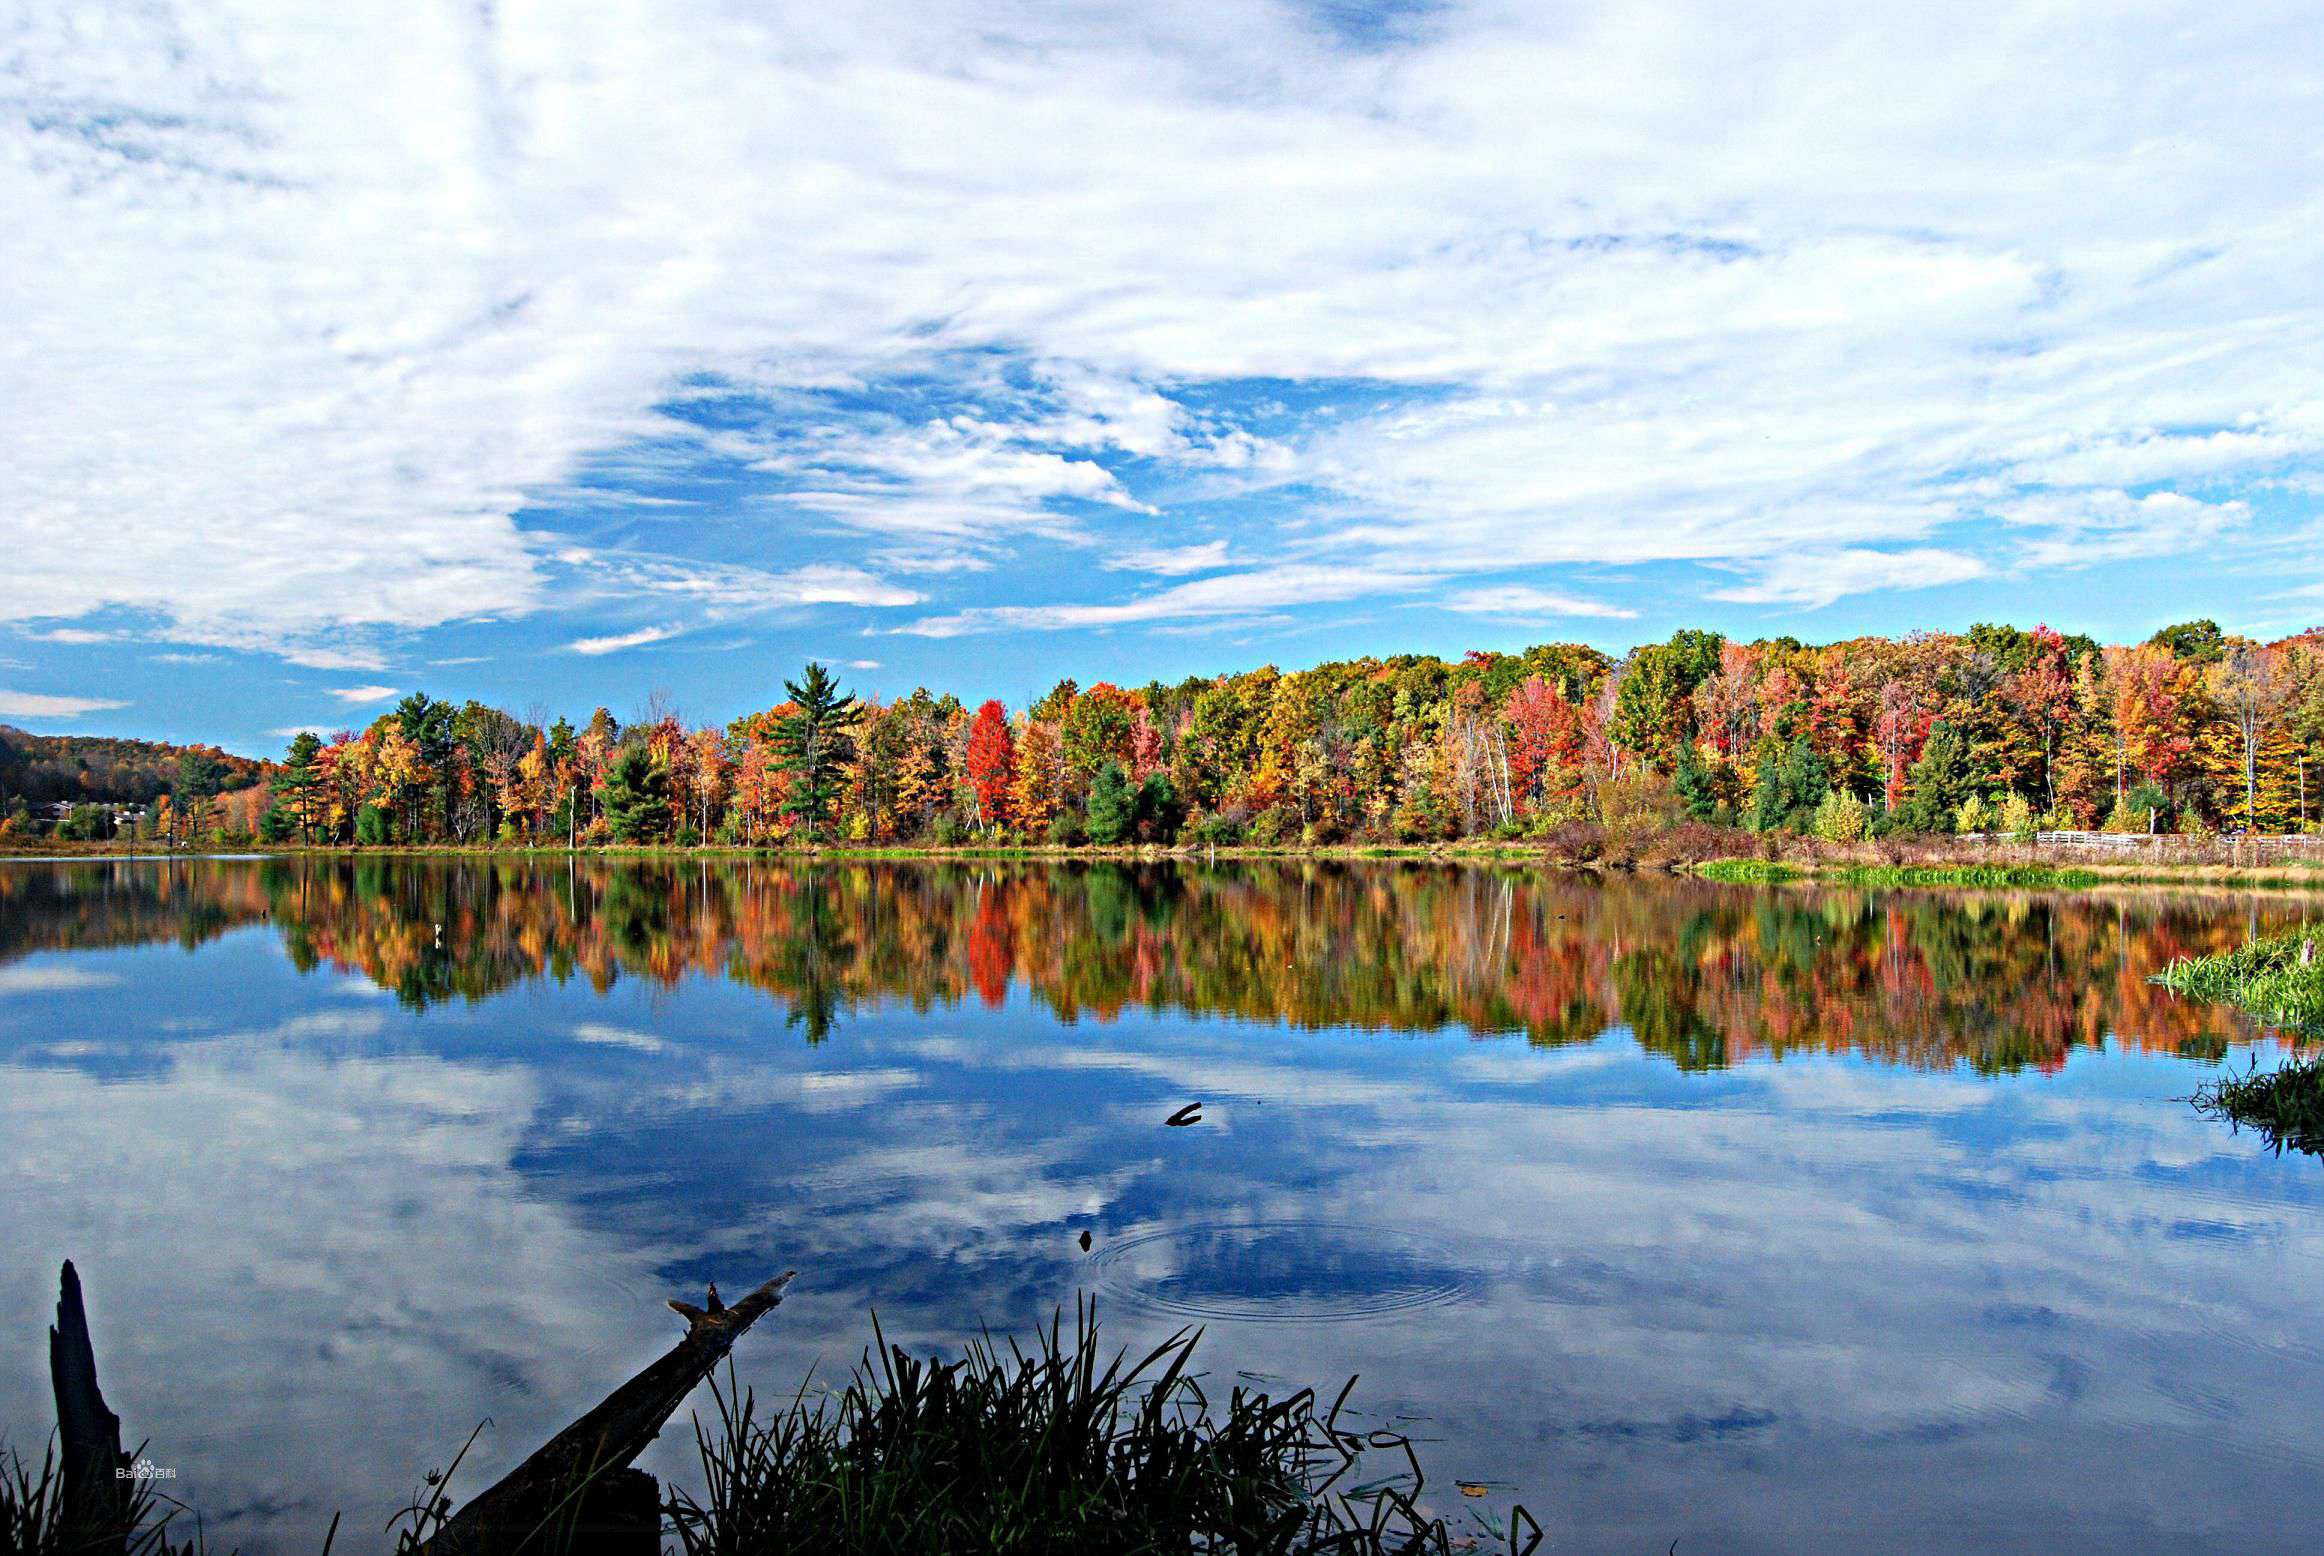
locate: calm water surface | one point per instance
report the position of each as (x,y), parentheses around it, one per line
(1755,1219)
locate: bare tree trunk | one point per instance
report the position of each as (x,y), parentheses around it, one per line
(579,1482)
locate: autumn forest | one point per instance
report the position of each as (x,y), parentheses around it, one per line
(1993,730)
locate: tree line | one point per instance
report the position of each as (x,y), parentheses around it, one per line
(1993,729)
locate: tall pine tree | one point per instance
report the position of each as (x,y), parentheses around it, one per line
(813,743)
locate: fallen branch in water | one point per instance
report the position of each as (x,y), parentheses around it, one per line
(579,1484)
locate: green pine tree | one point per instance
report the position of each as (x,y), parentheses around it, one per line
(813,743)
(1939,782)
(298,788)
(1113,806)
(637,796)
(1692,779)
(1792,783)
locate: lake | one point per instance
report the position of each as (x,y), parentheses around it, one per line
(1758,1219)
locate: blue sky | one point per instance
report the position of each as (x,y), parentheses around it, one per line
(551,363)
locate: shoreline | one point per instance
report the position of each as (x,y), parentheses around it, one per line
(2008,866)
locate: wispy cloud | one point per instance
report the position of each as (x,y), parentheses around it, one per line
(1813,579)
(1524,600)
(1230,595)
(336,658)
(1171,561)
(41,705)
(358,695)
(616,642)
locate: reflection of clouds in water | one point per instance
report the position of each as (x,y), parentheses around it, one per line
(1822,1304)
(309,1277)
(50,978)
(604,1036)
(1693,1306)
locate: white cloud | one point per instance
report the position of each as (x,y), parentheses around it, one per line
(1525,600)
(970,275)
(357,695)
(336,658)
(40,705)
(619,641)
(1230,595)
(1172,561)
(2077,529)
(1812,579)
(74,636)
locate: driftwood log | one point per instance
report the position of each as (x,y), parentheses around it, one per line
(96,1494)
(578,1492)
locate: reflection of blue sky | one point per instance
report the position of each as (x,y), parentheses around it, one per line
(1821,1304)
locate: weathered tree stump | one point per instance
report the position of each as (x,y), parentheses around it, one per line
(96,1492)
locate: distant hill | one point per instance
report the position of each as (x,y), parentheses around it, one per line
(100,767)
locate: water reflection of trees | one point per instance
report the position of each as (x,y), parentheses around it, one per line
(1707,975)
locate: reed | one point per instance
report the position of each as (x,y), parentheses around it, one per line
(1056,1449)
(2280,980)
(2284,1105)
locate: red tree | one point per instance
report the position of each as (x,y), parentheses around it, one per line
(1544,733)
(992,762)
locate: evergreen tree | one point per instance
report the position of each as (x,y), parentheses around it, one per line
(1159,813)
(637,796)
(1791,785)
(1693,781)
(298,788)
(1939,782)
(1113,807)
(813,744)
(199,778)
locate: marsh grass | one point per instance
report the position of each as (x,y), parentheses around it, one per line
(35,1521)
(2285,1106)
(1004,1452)
(2268,978)
(1054,1450)
(1749,872)
(2280,981)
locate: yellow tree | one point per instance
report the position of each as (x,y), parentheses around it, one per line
(1037,792)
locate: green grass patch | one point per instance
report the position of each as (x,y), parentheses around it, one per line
(36,1519)
(2279,980)
(1962,875)
(1057,1449)
(1749,872)
(2285,1105)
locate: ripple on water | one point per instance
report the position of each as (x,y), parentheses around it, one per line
(1281,1271)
